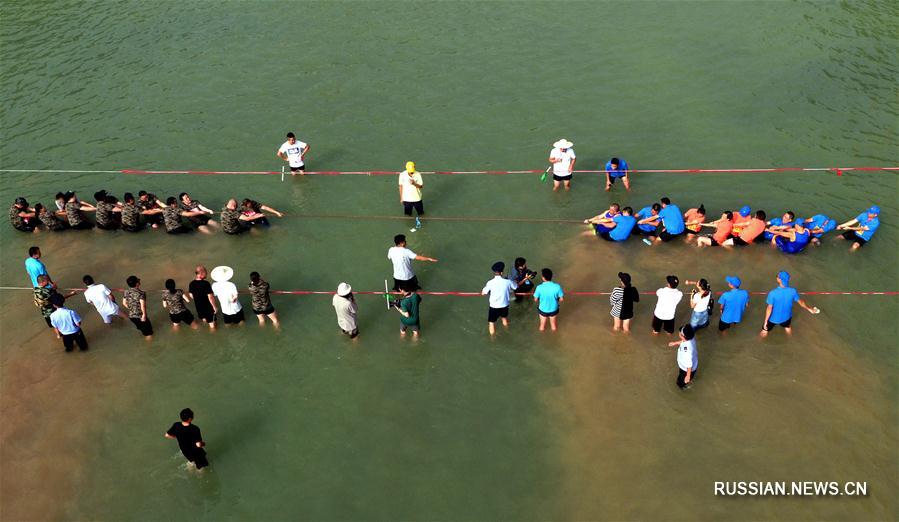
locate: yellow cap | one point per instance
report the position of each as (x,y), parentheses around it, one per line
(410,166)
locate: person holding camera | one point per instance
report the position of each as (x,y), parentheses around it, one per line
(523,277)
(701,302)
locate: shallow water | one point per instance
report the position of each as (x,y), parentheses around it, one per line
(581,424)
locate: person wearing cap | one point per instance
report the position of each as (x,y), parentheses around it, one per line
(345,306)
(722,226)
(226,292)
(562,159)
(67,324)
(294,152)
(666,306)
(784,222)
(135,301)
(21,216)
(733,304)
(687,356)
(402,258)
(750,232)
(780,305)
(622,300)
(261,301)
(35,267)
(498,291)
(74,209)
(818,225)
(204,300)
(617,169)
(410,184)
(791,240)
(548,295)
(742,218)
(862,228)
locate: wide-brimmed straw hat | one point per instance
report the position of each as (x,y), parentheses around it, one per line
(222,273)
(343,289)
(563,144)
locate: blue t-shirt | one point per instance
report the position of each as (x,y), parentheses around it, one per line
(623,226)
(644,213)
(823,222)
(64,319)
(794,247)
(734,303)
(673,219)
(781,300)
(34,267)
(620,172)
(872,225)
(776,222)
(549,294)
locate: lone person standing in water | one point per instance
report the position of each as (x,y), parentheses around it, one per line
(294,152)
(189,439)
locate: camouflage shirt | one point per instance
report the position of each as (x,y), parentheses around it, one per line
(130,216)
(193,207)
(172,217)
(73,213)
(174,301)
(50,220)
(133,296)
(230,221)
(42,295)
(105,218)
(259,295)
(17,221)
(149,204)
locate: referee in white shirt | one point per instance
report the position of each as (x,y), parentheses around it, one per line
(404,277)
(498,289)
(293,151)
(562,159)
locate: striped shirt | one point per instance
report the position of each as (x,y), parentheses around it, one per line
(615,299)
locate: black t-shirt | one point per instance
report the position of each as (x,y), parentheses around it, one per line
(187,436)
(200,289)
(631,296)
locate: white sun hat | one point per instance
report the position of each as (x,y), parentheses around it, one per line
(343,289)
(563,144)
(222,273)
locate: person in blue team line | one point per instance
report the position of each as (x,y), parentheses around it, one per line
(617,169)
(784,222)
(548,295)
(791,240)
(672,221)
(818,225)
(621,226)
(602,222)
(780,305)
(862,228)
(646,222)
(733,304)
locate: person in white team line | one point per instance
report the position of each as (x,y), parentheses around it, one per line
(293,151)
(562,159)
(101,297)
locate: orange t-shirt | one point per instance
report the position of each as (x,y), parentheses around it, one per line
(693,215)
(752,230)
(739,222)
(722,231)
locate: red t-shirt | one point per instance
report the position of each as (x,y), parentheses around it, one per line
(693,215)
(722,231)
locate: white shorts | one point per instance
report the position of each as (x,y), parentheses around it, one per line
(108,318)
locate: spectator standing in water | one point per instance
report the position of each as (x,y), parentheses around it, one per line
(189,439)
(622,300)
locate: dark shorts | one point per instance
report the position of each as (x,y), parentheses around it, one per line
(658,324)
(206,315)
(198,457)
(681,375)
(69,341)
(301,168)
(352,334)
(612,179)
(199,220)
(263,222)
(724,326)
(25,227)
(495,313)
(562,178)
(664,235)
(180,230)
(411,284)
(691,232)
(144,326)
(419,207)
(266,311)
(786,324)
(233,319)
(84,225)
(645,232)
(108,226)
(48,322)
(413,327)
(241,228)
(850,235)
(132,229)
(739,241)
(606,236)
(713,241)
(183,317)
(547,314)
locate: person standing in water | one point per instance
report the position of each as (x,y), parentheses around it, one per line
(189,439)
(780,305)
(622,300)
(562,160)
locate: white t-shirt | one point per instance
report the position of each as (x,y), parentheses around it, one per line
(294,152)
(226,291)
(699,303)
(499,289)
(687,358)
(560,168)
(402,262)
(668,299)
(411,193)
(98,295)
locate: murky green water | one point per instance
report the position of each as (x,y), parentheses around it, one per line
(580,425)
